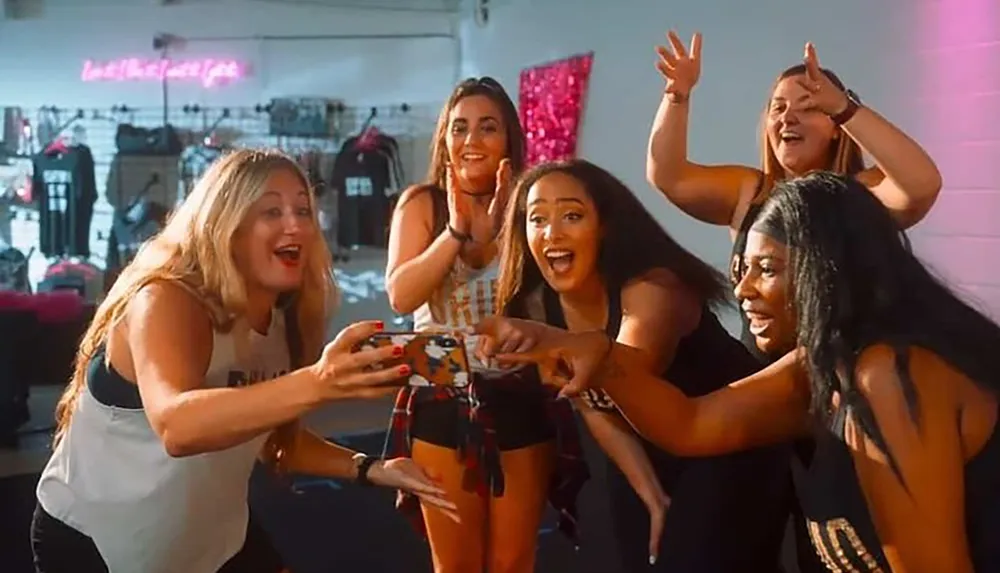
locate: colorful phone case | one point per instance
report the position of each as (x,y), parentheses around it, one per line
(435,359)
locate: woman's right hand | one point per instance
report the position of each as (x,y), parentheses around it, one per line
(459,212)
(343,372)
(680,68)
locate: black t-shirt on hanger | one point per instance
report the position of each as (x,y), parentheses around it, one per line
(65,188)
(365,177)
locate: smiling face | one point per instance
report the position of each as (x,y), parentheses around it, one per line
(271,245)
(563,230)
(763,292)
(476,140)
(800,135)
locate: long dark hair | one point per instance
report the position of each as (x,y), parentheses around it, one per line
(435,182)
(632,241)
(855,282)
(846,156)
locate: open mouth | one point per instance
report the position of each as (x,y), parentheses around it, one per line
(473,157)
(790,137)
(289,255)
(759,322)
(560,260)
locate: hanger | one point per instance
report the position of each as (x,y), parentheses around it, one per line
(57,146)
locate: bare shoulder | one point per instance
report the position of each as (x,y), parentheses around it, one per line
(168,304)
(418,198)
(934,380)
(660,291)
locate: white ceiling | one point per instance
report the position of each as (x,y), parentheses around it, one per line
(400,5)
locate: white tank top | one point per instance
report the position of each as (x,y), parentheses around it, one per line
(111,478)
(467,296)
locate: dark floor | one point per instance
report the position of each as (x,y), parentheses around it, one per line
(333,527)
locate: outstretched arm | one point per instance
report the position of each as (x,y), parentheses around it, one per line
(768,407)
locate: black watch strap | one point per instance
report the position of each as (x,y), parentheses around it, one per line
(460,236)
(364,464)
(853,104)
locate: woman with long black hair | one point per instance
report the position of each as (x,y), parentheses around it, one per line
(579,251)
(896,378)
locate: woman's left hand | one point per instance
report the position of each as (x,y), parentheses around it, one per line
(487,226)
(502,335)
(565,359)
(824,95)
(405,475)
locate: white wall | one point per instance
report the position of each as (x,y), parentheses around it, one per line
(41,58)
(931,66)
(362,57)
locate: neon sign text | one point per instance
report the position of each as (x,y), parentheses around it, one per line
(209,72)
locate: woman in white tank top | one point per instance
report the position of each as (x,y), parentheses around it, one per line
(203,356)
(442,266)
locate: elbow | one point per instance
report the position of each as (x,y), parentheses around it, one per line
(659,177)
(398,301)
(178,447)
(178,438)
(922,198)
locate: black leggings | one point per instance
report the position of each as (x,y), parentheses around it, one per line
(727,513)
(58,548)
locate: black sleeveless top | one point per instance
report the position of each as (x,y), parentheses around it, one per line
(741,505)
(706,359)
(841,528)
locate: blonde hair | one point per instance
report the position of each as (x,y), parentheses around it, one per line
(846,158)
(195,249)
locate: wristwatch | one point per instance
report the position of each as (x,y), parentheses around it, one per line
(853,104)
(363,463)
(460,236)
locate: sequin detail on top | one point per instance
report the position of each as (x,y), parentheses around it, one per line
(829,538)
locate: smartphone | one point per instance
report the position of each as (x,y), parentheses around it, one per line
(435,359)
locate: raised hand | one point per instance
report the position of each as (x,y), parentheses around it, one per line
(459,209)
(342,373)
(678,66)
(505,178)
(405,475)
(824,95)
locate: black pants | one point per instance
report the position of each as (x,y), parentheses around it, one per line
(727,513)
(58,548)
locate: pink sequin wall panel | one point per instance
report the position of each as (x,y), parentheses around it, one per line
(552,97)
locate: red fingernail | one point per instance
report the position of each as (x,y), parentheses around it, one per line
(397,351)
(404,370)
(379,325)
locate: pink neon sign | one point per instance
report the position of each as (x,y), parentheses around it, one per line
(210,72)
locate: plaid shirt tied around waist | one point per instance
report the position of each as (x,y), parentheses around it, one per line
(478,445)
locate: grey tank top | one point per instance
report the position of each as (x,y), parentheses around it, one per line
(111,478)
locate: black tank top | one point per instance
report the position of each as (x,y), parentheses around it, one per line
(841,528)
(706,359)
